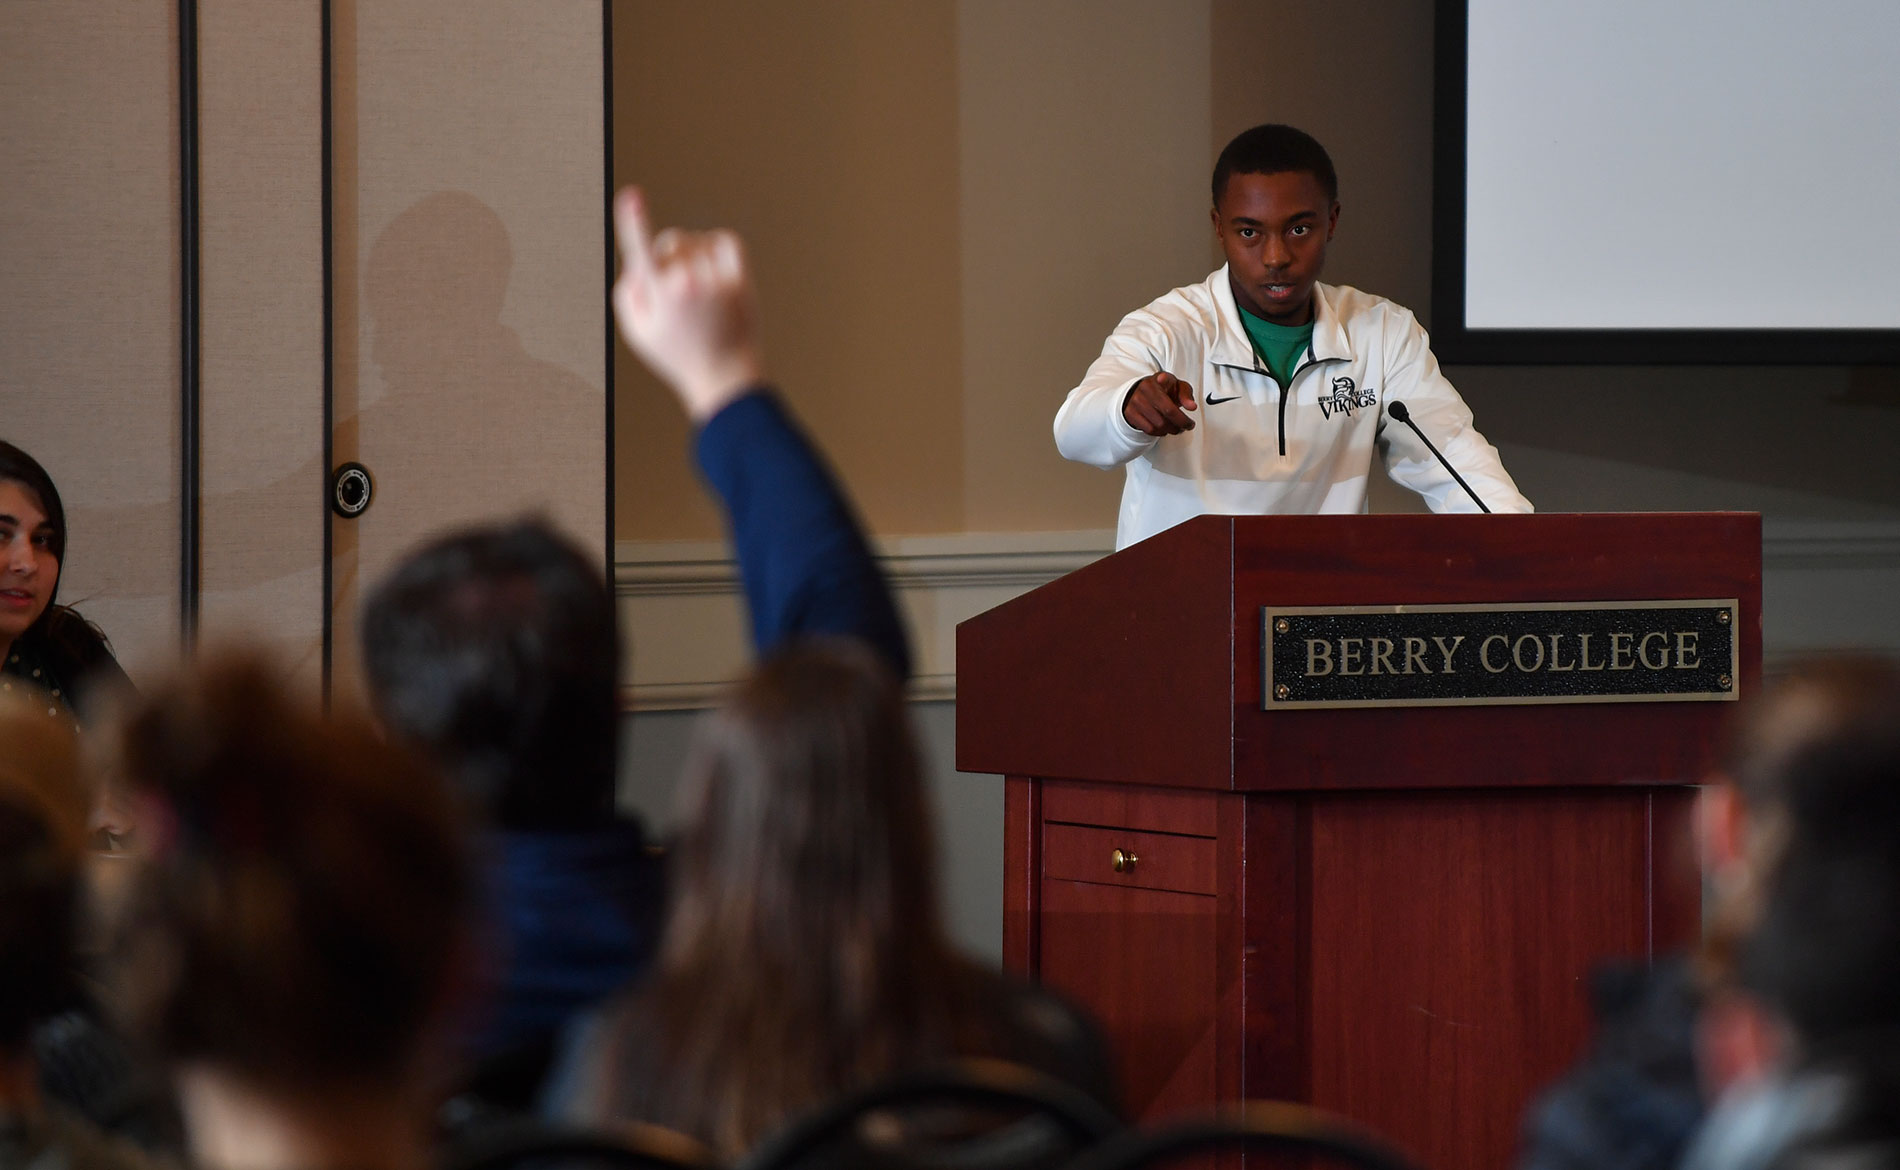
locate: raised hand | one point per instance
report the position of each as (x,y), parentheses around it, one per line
(1158,405)
(685,306)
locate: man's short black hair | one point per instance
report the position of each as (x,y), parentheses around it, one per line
(1273,149)
(495,651)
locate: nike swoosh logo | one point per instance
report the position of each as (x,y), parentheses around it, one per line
(1218,401)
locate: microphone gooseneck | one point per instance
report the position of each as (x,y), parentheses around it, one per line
(1397,410)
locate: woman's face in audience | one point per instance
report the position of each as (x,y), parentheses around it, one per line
(28,569)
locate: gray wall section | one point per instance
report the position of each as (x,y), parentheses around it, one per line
(968,808)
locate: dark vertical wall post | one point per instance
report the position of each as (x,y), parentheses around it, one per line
(189,455)
(325,80)
(607,176)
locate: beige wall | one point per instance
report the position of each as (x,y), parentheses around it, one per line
(470,256)
(1084,152)
(89,354)
(261,271)
(826,133)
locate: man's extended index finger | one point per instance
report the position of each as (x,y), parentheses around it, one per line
(632,229)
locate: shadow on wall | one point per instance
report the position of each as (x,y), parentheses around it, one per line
(459,390)
(465,415)
(459,424)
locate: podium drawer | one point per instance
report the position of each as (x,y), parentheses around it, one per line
(1121,857)
(1154,810)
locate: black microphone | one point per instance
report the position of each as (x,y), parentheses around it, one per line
(1397,410)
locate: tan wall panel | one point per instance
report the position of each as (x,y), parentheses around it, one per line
(89,295)
(470,255)
(826,133)
(1084,180)
(261,268)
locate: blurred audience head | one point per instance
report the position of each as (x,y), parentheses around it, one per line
(1804,945)
(1747,817)
(805,814)
(1811,703)
(1823,949)
(301,895)
(804,954)
(494,651)
(43,814)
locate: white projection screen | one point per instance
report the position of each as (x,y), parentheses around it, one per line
(1668,180)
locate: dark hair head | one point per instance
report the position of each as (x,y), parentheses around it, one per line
(1270,150)
(1808,706)
(23,469)
(42,830)
(304,892)
(804,954)
(495,652)
(77,647)
(1826,949)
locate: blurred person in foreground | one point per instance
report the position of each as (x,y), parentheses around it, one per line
(291,950)
(495,652)
(1673,1035)
(43,817)
(1807,932)
(804,956)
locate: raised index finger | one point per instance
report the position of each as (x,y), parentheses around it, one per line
(632,230)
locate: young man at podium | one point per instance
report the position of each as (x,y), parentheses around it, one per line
(1261,390)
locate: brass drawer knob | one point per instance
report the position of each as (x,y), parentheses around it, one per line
(1122,861)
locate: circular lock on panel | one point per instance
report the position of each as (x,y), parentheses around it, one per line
(351,490)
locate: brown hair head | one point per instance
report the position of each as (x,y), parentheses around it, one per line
(304,891)
(804,955)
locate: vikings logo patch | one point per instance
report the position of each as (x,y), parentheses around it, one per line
(1346,397)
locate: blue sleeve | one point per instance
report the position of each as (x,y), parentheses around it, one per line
(802,554)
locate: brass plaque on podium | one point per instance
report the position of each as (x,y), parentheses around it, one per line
(1471,655)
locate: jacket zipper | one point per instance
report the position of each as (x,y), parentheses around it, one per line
(1286,389)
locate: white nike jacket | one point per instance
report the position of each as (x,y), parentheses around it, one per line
(1254,451)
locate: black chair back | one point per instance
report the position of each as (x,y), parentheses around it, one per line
(969,1115)
(528,1144)
(1269,1127)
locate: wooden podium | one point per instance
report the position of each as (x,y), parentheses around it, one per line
(1387,911)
